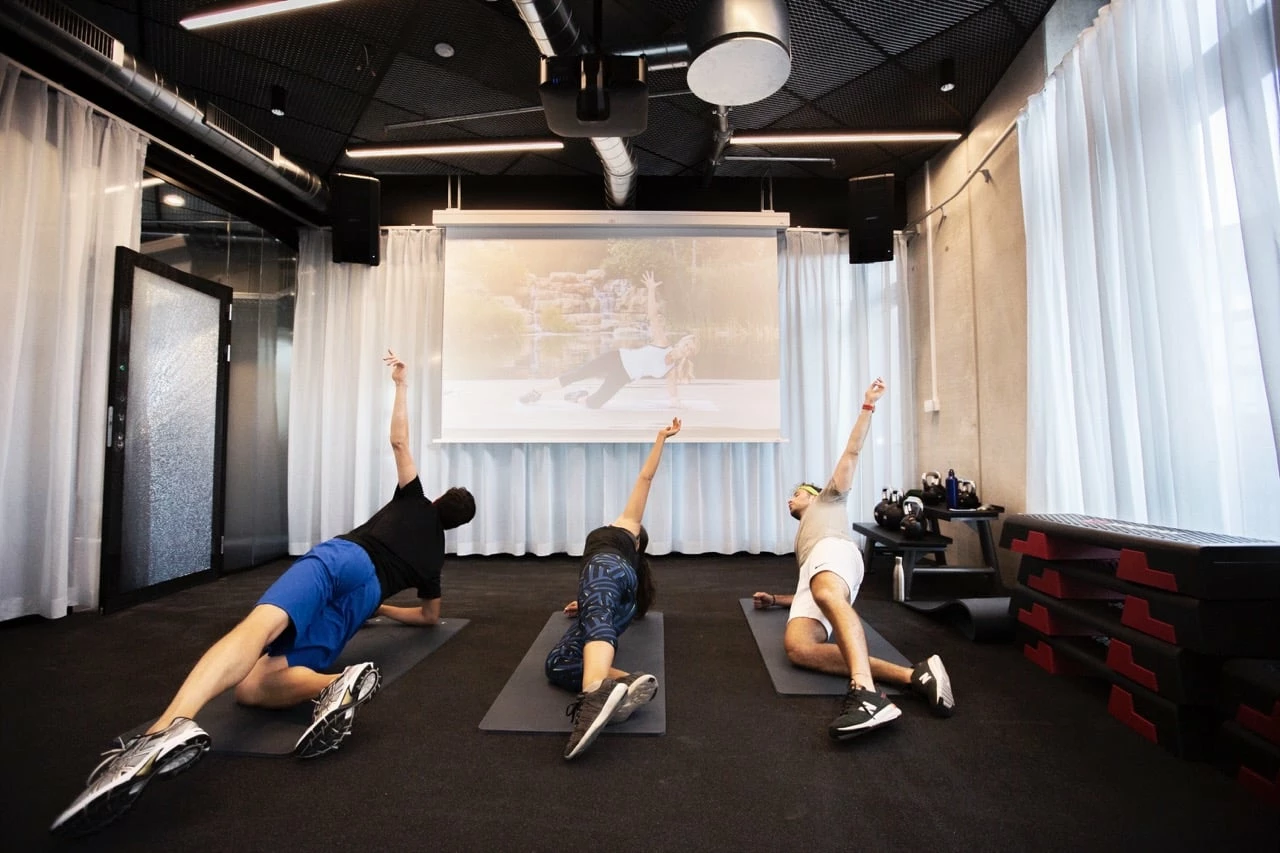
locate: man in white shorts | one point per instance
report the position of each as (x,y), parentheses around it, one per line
(822,606)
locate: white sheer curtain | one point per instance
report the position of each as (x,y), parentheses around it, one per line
(842,326)
(69,194)
(1149,182)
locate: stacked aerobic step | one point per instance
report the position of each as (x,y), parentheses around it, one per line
(1184,626)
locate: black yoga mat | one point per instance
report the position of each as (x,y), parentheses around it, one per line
(395,648)
(767,627)
(983,620)
(529,703)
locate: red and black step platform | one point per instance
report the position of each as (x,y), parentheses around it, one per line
(1216,627)
(1191,563)
(1250,760)
(1096,627)
(1187,731)
(1251,696)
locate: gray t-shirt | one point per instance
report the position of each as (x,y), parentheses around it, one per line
(826,516)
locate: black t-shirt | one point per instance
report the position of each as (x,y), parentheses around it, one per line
(610,540)
(405,542)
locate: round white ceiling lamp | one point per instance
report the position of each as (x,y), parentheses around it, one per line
(741,50)
(444,49)
(174,200)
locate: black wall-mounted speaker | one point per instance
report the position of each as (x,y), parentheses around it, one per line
(873,216)
(355,212)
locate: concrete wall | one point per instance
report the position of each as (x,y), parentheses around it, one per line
(979,293)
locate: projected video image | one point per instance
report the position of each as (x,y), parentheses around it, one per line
(604,339)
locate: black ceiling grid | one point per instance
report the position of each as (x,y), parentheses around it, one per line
(825,51)
(492,50)
(351,68)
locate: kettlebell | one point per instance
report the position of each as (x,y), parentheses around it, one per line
(934,493)
(967,495)
(912,525)
(888,513)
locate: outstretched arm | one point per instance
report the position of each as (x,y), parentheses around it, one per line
(842,477)
(657,324)
(406,470)
(634,512)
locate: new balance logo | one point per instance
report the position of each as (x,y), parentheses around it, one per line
(925,678)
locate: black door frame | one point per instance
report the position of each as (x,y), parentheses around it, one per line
(110,597)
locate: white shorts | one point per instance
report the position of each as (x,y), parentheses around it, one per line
(840,556)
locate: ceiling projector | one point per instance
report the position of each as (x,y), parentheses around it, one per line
(594,95)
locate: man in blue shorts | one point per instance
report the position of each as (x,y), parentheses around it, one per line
(276,657)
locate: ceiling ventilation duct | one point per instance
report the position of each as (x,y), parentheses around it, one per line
(556,33)
(63,34)
(741,50)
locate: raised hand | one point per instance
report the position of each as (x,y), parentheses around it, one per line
(875,391)
(668,431)
(397,366)
(650,280)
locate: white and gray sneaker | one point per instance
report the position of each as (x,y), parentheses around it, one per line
(930,680)
(117,782)
(641,688)
(336,709)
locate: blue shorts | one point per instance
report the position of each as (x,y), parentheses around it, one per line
(328,593)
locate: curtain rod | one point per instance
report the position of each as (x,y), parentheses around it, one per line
(910,226)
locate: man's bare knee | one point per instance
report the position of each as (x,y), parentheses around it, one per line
(798,651)
(249,690)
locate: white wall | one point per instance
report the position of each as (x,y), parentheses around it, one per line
(980,304)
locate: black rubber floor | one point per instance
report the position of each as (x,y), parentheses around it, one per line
(1028,763)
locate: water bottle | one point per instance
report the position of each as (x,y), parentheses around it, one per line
(899,580)
(953,489)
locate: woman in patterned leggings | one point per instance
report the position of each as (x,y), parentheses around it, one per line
(614,586)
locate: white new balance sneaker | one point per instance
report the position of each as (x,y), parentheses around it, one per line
(336,709)
(117,782)
(641,688)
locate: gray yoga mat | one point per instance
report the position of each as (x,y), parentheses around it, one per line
(767,627)
(395,648)
(528,703)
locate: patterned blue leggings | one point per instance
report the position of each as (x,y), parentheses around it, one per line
(606,605)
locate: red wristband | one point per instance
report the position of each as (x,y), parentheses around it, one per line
(867,407)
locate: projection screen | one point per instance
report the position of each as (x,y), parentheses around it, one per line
(601,327)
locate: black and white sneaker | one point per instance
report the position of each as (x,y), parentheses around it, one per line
(530,397)
(336,709)
(863,711)
(930,680)
(591,713)
(641,688)
(117,782)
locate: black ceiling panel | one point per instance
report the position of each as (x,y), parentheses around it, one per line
(1028,13)
(491,49)
(537,164)
(433,92)
(825,51)
(764,113)
(899,25)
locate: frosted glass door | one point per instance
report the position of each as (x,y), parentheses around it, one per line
(165,459)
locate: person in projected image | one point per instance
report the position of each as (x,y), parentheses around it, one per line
(658,359)
(615,586)
(277,656)
(822,606)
